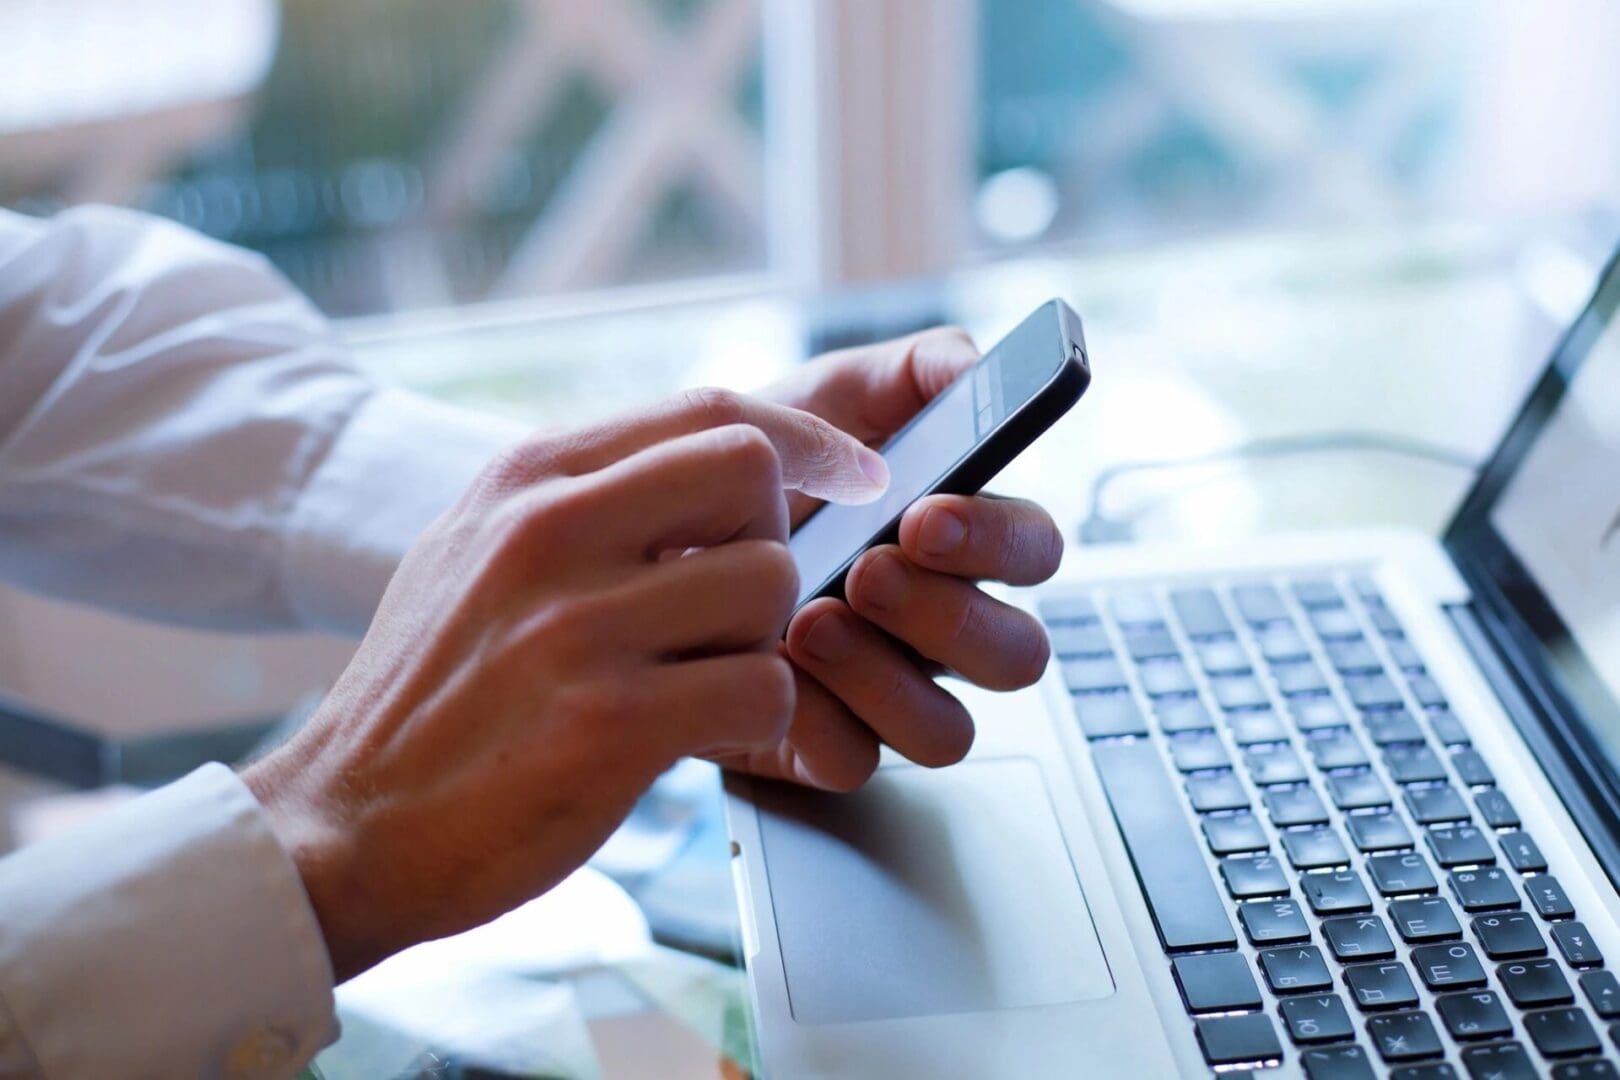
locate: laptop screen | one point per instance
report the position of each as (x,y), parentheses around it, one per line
(1542,525)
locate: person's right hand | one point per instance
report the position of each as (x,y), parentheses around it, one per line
(595,607)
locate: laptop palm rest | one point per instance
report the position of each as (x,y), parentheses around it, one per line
(927,892)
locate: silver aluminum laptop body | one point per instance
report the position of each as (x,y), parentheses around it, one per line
(988,919)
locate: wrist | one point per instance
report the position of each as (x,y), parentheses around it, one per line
(325,860)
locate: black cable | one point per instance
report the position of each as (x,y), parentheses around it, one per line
(1098,528)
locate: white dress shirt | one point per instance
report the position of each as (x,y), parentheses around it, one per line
(182,439)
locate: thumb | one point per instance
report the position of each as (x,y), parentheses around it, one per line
(819,459)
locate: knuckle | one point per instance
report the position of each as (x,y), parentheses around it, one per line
(780,574)
(713,406)
(1031,653)
(773,695)
(562,628)
(514,469)
(746,450)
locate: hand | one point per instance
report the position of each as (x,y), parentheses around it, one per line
(595,607)
(866,669)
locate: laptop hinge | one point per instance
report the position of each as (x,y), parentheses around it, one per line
(1563,754)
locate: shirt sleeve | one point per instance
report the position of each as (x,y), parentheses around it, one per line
(171,937)
(184,438)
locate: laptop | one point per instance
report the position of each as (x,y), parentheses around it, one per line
(1343,805)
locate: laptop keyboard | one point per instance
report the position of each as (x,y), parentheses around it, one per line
(1330,867)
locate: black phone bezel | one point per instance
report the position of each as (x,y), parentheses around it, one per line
(1010,438)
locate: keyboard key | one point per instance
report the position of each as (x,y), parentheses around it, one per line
(1395,726)
(1522,853)
(1511,935)
(1299,677)
(1424,919)
(1495,808)
(1579,950)
(1377,832)
(1067,609)
(1316,1018)
(1353,656)
(1230,834)
(1413,763)
(1223,657)
(1471,768)
(1335,892)
(1357,790)
(1199,751)
(1332,623)
(1281,643)
(1372,692)
(1165,678)
(1238,692)
(1459,845)
(1499,1061)
(1585,1070)
(1381,986)
(1404,654)
(1104,716)
(1255,726)
(1259,604)
(1447,728)
(1406,1036)
(1273,922)
(1294,806)
(1250,876)
(1086,676)
(1150,643)
(1216,982)
(1432,805)
(1314,849)
(1336,1063)
(1427,691)
(1135,609)
(1401,873)
(1562,1032)
(1488,889)
(1336,749)
(1275,764)
(1473,1016)
(1217,791)
(1200,612)
(1079,639)
(1448,967)
(1384,621)
(1547,896)
(1535,982)
(1298,969)
(1602,989)
(1176,715)
(1187,911)
(1357,937)
(1315,593)
(1315,713)
(1236,1040)
(1434,1070)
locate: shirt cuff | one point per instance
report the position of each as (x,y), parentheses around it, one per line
(400,462)
(171,937)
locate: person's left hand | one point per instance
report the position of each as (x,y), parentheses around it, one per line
(866,668)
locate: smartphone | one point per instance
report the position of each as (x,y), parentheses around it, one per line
(957,444)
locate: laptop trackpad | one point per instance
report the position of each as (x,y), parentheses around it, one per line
(927,892)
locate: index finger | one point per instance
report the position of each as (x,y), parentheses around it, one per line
(817,458)
(982,536)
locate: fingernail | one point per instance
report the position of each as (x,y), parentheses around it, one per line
(875,468)
(829,640)
(883,583)
(941,532)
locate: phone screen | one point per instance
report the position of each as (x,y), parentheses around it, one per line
(931,447)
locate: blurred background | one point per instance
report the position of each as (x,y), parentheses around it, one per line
(1322,224)
(398,155)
